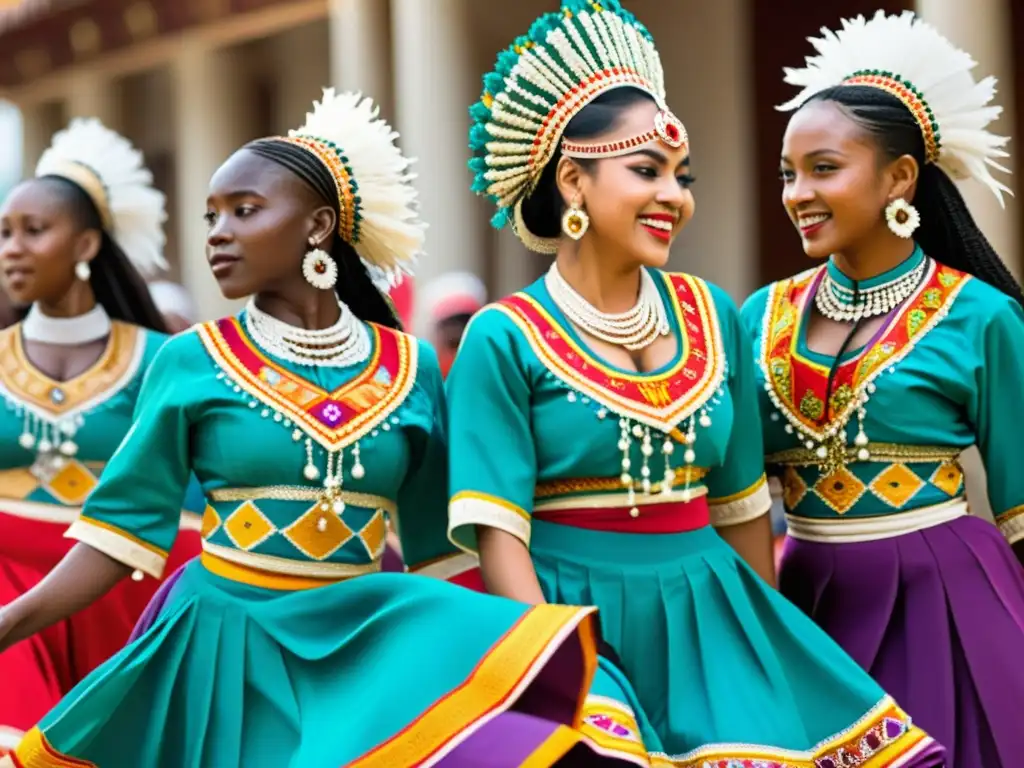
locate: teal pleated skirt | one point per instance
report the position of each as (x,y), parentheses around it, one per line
(385,670)
(724,667)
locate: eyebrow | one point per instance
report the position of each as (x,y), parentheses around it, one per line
(816,153)
(659,157)
(238,193)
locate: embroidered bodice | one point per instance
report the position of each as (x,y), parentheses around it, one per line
(250,426)
(536,418)
(941,374)
(56,437)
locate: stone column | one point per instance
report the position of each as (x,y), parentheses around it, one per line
(435,82)
(36,132)
(301,71)
(361,49)
(92,94)
(211,121)
(983,29)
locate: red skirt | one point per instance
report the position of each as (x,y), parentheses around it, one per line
(37,672)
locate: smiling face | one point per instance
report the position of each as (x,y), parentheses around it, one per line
(41,239)
(835,184)
(261,218)
(637,203)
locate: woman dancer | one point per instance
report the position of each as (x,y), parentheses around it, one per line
(72,243)
(598,440)
(880,366)
(308,419)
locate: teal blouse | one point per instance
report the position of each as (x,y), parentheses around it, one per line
(537,421)
(942,374)
(56,436)
(300,465)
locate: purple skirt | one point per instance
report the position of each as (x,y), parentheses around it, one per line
(937,618)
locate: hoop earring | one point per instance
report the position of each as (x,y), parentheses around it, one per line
(319,268)
(902,218)
(83,271)
(575,221)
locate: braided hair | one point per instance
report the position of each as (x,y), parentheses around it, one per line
(354,286)
(948,232)
(115,282)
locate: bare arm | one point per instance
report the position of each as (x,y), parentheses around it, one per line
(506,566)
(80,579)
(752,540)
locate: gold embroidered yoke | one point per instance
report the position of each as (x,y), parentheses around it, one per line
(251,427)
(943,374)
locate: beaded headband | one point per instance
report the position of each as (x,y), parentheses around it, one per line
(377,202)
(542,81)
(668,129)
(110,171)
(909,59)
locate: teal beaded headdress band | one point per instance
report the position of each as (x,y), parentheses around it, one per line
(378,216)
(540,83)
(908,58)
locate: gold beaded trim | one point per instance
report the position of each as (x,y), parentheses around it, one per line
(912,100)
(683,476)
(667,128)
(878,452)
(343,181)
(301,493)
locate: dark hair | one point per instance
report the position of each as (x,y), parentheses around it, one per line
(117,285)
(948,232)
(354,285)
(542,210)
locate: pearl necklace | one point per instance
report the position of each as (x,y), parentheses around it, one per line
(343,344)
(841,304)
(634,329)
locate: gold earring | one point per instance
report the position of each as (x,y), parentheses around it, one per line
(575,221)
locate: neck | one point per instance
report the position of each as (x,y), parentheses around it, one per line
(311,309)
(607,285)
(78,300)
(875,257)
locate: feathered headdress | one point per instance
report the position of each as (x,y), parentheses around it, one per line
(540,83)
(376,198)
(109,170)
(908,58)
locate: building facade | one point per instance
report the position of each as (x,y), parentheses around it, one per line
(188,81)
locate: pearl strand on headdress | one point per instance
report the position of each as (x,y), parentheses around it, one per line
(634,329)
(343,344)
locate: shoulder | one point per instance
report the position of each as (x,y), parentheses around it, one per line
(986,307)
(498,323)
(184,350)
(721,300)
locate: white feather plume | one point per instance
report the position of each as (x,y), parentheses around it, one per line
(136,210)
(390,234)
(912,48)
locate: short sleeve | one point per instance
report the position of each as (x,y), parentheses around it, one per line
(493,464)
(422,517)
(134,512)
(738,489)
(997,412)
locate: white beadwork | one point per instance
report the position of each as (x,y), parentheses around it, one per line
(841,304)
(634,329)
(344,344)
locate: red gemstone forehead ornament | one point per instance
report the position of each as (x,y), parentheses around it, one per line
(668,129)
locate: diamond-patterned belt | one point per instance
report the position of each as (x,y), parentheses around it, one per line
(317,533)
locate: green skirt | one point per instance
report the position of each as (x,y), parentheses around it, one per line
(724,667)
(386,670)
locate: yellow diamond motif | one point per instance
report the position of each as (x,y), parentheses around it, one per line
(840,490)
(793,488)
(948,478)
(319,533)
(374,534)
(72,484)
(247,527)
(896,485)
(211,522)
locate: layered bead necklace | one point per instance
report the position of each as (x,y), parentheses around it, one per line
(633,329)
(844,305)
(343,344)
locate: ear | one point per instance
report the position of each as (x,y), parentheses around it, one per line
(903,173)
(569,180)
(87,245)
(323,223)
